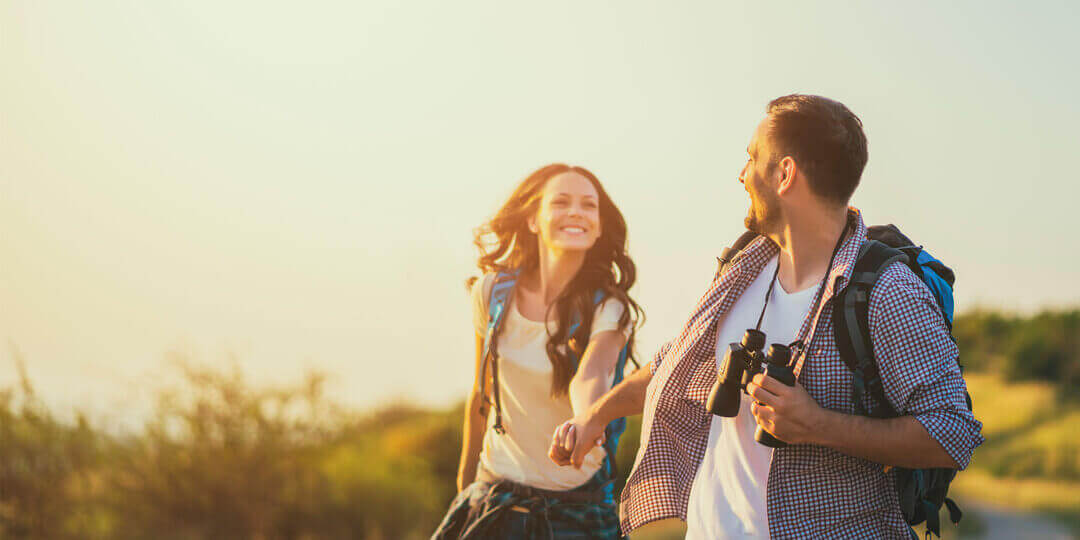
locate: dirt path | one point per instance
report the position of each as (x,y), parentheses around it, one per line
(1004,524)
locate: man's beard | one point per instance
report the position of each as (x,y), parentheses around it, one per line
(763,215)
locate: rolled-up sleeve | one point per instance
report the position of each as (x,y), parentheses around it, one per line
(918,362)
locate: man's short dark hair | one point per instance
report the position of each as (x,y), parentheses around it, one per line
(826,140)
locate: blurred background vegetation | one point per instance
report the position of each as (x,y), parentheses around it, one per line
(223,459)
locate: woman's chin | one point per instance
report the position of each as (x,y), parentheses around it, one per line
(571,245)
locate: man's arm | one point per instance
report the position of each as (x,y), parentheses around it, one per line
(917,359)
(790,414)
(921,379)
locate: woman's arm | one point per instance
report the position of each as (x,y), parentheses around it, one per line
(590,382)
(475,424)
(587,388)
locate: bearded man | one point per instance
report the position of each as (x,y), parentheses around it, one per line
(833,478)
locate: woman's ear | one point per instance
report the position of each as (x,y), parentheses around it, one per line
(531,222)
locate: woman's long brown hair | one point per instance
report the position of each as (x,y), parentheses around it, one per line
(506,244)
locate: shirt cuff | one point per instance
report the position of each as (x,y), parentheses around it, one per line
(958,433)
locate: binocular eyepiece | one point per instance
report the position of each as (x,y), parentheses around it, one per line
(740,363)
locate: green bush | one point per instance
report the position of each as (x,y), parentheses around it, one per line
(1042,347)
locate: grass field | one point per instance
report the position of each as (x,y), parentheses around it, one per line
(1030,460)
(229,460)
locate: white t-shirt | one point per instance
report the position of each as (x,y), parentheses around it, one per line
(529,413)
(727,498)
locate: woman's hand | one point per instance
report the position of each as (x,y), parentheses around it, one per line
(565,448)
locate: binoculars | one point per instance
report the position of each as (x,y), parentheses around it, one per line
(741,362)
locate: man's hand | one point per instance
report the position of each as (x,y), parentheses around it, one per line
(787,412)
(565,447)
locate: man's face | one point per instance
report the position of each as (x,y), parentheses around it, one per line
(757,177)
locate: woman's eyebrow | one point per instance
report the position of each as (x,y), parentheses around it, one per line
(566,194)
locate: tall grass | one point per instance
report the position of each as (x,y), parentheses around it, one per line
(221,459)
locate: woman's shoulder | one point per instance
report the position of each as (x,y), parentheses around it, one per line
(609,311)
(481,291)
(604,300)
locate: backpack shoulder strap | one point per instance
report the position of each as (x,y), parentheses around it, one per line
(729,253)
(851,324)
(502,290)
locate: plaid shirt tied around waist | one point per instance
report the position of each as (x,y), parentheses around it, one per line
(812,491)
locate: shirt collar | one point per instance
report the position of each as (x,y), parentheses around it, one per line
(844,264)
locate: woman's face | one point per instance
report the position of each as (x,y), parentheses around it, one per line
(569,215)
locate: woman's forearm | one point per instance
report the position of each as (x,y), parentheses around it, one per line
(473,439)
(584,392)
(595,371)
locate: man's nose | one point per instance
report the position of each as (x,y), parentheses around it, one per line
(742,174)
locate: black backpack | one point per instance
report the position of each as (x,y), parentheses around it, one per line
(922,492)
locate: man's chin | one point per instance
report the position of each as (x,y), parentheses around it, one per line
(752,224)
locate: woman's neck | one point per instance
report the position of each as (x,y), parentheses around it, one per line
(555,271)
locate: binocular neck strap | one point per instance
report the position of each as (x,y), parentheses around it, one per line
(768,294)
(799,346)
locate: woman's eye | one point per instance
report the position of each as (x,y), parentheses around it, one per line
(558,202)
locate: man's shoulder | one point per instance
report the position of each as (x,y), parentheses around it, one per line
(898,281)
(899,294)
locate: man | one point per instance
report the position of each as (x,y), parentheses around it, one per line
(805,160)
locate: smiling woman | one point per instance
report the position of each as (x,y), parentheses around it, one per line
(554,326)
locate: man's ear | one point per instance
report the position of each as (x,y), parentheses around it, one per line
(786,170)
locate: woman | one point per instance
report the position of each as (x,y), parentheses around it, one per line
(554,327)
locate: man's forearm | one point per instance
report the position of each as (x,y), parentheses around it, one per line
(626,399)
(900,442)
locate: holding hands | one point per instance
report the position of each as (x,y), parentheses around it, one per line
(574,439)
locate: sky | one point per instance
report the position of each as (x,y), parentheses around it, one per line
(288,187)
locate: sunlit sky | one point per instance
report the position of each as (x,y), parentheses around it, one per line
(295,187)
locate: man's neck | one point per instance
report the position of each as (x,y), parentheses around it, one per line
(806,245)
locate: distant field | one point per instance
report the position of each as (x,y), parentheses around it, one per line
(1030,460)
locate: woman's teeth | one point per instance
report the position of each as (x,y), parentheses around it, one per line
(573,230)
